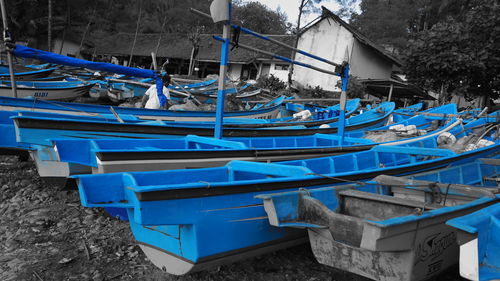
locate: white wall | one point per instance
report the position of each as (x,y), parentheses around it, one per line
(234,71)
(329,40)
(277,71)
(368,64)
(69,48)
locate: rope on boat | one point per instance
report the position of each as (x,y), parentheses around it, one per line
(335,178)
(446,194)
(205,182)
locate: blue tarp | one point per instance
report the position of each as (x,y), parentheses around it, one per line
(26,52)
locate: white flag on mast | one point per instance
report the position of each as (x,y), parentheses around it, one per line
(219,10)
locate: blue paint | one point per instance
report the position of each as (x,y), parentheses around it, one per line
(224,58)
(26,52)
(373,117)
(31,104)
(286,211)
(240,219)
(159,91)
(4,72)
(42,137)
(485,225)
(49,84)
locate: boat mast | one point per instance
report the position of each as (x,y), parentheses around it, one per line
(341,70)
(217,7)
(49,28)
(6,40)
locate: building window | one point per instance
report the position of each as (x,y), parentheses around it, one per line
(281,67)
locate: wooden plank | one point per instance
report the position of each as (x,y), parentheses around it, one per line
(490,161)
(473,191)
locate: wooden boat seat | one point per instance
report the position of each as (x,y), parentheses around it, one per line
(346,224)
(377,207)
(423,185)
(490,161)
(492,179)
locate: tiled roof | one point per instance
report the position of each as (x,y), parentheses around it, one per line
(175,45)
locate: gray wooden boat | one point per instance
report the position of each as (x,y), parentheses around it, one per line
(391,228)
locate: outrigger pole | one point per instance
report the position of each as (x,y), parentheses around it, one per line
(8,40)
(341,70)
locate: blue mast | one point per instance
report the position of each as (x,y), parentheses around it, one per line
(224,58)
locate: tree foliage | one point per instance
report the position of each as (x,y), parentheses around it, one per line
(447,45)
(390,23)
(385,22)
(252,15)
(28,18)
(461,54)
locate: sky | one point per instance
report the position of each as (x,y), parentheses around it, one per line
(291,8)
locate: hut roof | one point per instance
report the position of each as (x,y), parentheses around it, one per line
(176,45)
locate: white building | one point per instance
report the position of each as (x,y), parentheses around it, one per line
(332,38)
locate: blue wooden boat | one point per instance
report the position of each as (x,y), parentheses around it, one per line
(47,90)
(53,78)
(412,108)
(8,143)
(211,90)
(270,110)
(24,73)
(325,116)
(57,159)
(477,235)
(391,229)
(189,220)
(54,126)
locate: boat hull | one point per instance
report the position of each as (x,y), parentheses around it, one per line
(479,243)
(29,75)
(433,249)
(384,234)
(59,94)
(57,173)
(189,237)
(77,109)
(76,128)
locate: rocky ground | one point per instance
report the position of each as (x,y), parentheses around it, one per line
(46,235)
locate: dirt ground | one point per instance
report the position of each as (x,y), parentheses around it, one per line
(46,235)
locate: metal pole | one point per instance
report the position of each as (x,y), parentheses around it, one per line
(285,59)
(49,28)
(343,98)
(264,37)
(390,92)
(221,92)
(155,64)
(6,39)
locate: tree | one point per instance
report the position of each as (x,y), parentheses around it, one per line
(385,22)
(391,23)
(347,8)
(459,55)
(251,15)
